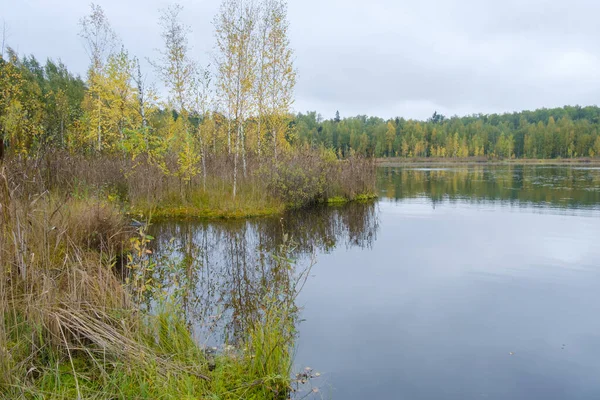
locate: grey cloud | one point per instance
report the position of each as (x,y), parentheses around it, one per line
(380,57)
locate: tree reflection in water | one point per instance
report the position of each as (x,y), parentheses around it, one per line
(561,187)
(226,274)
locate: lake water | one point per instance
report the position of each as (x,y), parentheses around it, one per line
(477,282)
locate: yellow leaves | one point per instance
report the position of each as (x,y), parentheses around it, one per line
(20,129)
(110,103)
(188,160)
(20,106)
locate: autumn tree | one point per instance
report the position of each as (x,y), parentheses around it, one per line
(236,61)
(280,75)
(390,137)
(179,75)
(203,109)
(64,94)
(120,96)
(99,42)
(4,39)
(145,94)
(18,107)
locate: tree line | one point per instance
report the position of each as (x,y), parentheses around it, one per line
(568,132)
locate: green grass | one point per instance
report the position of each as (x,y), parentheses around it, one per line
(216,202)
(338,200)
(249,203)
(197,211)
(168,364)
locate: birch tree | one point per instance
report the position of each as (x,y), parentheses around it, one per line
(4,38)
(179,74)
(99,42)
(139,139)
(175,66)
(206,127)
(224,60)
(143,94)
(279,73)
(235,25)
(264,27)
(119,95)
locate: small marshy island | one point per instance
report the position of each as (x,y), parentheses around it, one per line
(171,227)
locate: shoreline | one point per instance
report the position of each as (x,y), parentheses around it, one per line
(400,161)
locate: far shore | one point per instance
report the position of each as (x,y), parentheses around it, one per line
(402,161)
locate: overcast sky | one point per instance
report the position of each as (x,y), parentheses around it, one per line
(377,57)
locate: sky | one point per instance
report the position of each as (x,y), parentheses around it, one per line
(383,58)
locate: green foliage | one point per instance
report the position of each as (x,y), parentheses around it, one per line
(566,132)
(39,105)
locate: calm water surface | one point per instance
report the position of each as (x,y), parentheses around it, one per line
(459,283)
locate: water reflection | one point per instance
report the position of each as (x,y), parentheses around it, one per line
(453,301)
(524,186)
(220,273)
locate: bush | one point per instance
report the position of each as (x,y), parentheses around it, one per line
(309,177)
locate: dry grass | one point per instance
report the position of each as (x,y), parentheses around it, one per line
(61,303)
(71,328)
(56,258)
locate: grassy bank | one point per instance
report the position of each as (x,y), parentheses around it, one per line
(400,161)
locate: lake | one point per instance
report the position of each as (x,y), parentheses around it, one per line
(460,282)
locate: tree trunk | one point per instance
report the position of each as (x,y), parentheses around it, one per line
(235,163)
(214,137)
(62,131)
(228,136)
(243,149)
(203,155)
(258,135)
(99,129)
(274,144)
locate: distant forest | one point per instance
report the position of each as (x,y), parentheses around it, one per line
(568,132)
